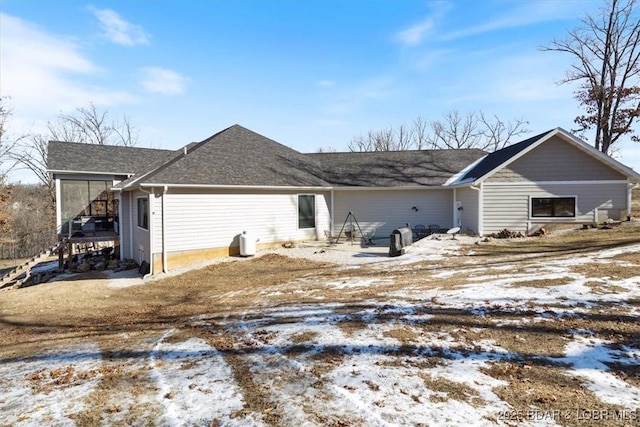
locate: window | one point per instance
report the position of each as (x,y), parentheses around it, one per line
(306,211)
(143,213)
(553,207)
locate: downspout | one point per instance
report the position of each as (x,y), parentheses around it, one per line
(630,187)
(59,210)
(455,209)
(332,212)
(120,203)
(165,266)
(151,203)
(473,186)
(131,224)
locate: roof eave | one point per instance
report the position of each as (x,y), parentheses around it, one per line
(576,142)
(608,160)
(393,187)
(456,179)
(63,171)
(218,186)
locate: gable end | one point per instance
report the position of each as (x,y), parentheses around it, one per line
(556,160)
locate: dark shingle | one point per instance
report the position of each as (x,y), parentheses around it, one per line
(238,156)
(394,168)
(78,157)
(497,158)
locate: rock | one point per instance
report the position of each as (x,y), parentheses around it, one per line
(126,264)
(541,232)
(100,265)
(113,264)
(107,251)
(83,268)
(506,234)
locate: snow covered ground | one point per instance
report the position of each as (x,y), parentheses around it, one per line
(377,361)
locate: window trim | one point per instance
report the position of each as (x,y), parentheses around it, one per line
(314,211)
(554,217)
(138,199)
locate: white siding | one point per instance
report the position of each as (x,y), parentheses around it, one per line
(141,245)
(124,225)
(201,220)
(556,160)
(386,210)
(507,205)
(468,216)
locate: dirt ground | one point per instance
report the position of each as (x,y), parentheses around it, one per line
(34,318)
(118,319)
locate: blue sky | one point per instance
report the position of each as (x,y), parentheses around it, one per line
(308,74)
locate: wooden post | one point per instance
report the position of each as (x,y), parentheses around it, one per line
(61,256)
(70,255)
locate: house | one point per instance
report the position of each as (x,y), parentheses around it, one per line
(172,208)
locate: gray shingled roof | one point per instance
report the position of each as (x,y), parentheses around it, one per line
(395,168)
(497,158)
(112,159)
(238,156)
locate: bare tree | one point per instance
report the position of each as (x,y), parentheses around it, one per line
(380,140)
(91,126)
(474,130)
(455,131)
(87,125)
(420,137)
(33,156)
(6,147)
(6,144)
(606,50)
(326,150)
(498,134)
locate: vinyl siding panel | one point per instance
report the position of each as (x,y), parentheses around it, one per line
(124,224)
(202,220)
(507,205)
(155,212)
(556,160)
(387,210)
(141,237)
(468,217)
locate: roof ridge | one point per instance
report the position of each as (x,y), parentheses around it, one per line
(130,147)
(382,152)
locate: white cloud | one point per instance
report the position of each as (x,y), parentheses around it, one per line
(45,73)
(35,46)
(523,14)
(326,83)
(119,31)
(415,34)
(163,81)
(361,95)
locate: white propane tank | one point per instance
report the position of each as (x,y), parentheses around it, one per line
(247,244)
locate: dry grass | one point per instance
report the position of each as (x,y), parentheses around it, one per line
(607,269)
(542,283)
(566,244)
(35,319)
(635,203)
(545,392)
